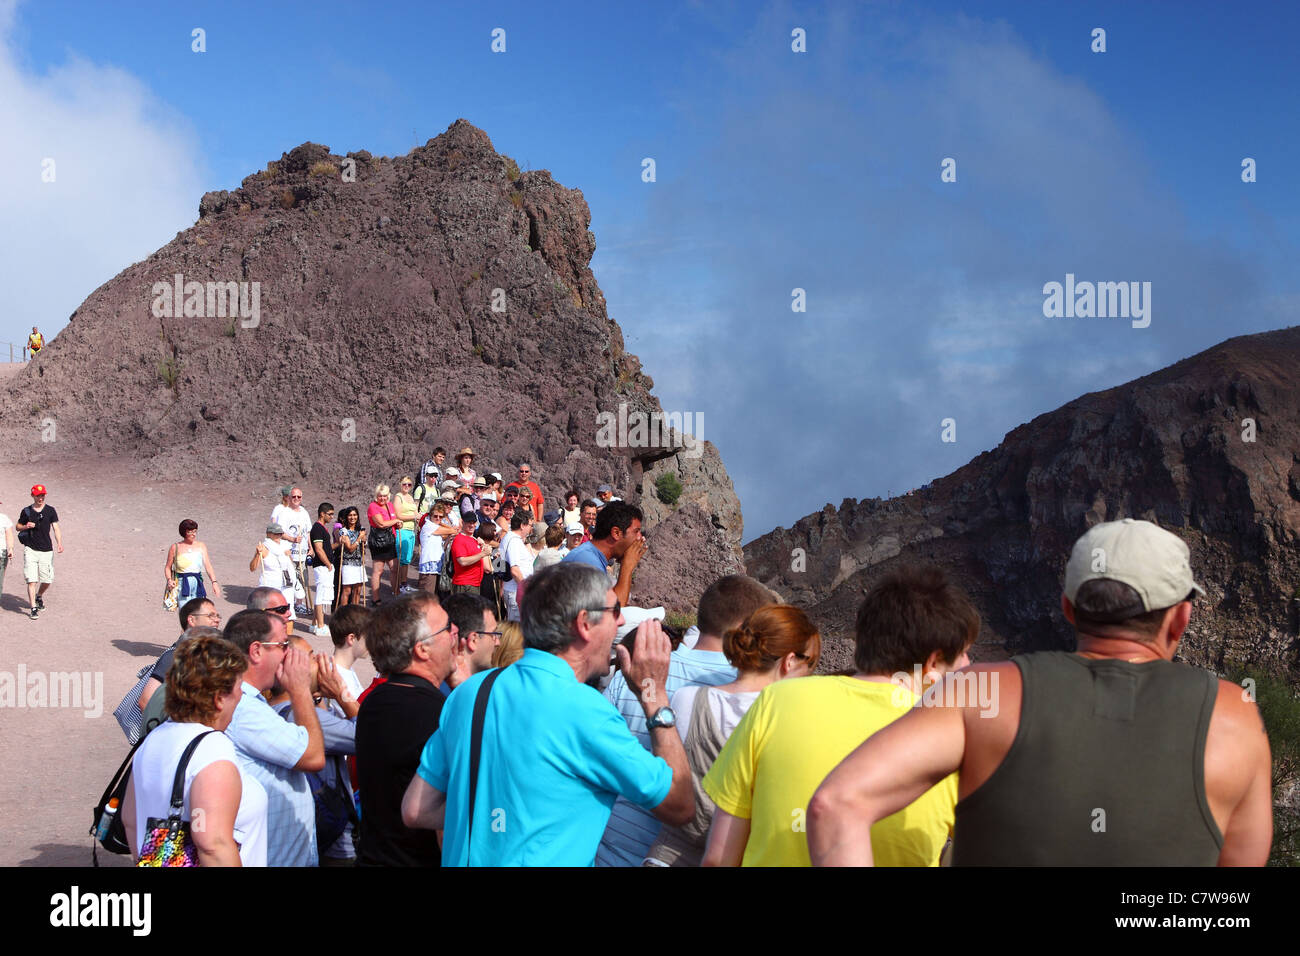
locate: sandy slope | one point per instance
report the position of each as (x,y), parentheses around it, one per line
(104,617)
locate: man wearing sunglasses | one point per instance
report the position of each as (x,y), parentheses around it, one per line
(278,753)
(554,755)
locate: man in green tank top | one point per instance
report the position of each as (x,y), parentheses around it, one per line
(1110,756)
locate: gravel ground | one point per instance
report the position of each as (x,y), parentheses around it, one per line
(103,620)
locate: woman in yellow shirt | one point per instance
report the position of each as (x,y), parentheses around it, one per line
(913,627)
(404,505)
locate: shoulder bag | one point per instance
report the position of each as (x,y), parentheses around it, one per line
(475,751)
(169,842)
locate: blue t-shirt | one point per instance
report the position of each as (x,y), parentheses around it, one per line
(555,756)
(587,553)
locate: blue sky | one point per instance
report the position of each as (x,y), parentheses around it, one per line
(775,170)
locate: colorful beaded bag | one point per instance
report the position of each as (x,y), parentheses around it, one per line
(169,842)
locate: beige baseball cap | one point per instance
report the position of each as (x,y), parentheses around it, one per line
(1153,562)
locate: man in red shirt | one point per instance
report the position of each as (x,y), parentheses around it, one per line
(471,550)
(530,493)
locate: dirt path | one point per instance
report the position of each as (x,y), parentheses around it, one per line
(103,621)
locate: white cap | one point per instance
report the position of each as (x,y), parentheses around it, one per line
(633,616)
(574,527)
(1153,562)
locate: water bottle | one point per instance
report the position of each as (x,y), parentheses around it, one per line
(106,820)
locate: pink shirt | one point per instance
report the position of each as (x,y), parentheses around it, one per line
(376,510)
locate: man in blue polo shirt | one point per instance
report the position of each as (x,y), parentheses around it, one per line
(617,537)
(555,753)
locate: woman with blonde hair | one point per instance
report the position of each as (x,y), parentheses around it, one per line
(404,505)
(383,541)
(511,647)
(775,642)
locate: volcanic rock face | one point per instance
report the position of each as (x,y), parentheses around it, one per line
(385,306)
(1208,448)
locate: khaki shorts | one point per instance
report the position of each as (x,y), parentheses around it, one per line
(38,566)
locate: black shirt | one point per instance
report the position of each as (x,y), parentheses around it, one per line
(319,533)
(39,537)
(396,720)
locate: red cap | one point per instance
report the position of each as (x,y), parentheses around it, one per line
(38,490)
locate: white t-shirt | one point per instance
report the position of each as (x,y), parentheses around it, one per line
(295,522)
(154,769)
(430,546)
(517,553)
(353,684)
(276,562)
(727,708)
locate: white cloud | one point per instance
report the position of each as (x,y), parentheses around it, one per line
(127,178)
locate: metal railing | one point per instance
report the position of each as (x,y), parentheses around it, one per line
(18,350)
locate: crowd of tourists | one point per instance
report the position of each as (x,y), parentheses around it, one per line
(589,732)
(458,531)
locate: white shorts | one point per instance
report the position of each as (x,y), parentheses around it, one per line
(353,574)
(323,581)
(38,566)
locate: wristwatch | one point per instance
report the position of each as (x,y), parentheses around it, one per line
(663,717)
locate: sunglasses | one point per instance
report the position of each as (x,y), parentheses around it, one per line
(447,627)
(282,609)
(284,645)
(616,608)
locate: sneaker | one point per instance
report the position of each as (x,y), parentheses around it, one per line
(40,602)
(301,610)
(321,631)
(35,611)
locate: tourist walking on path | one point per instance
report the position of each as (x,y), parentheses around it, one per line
(187,559)
(6,546)
(37,522)
(35,342)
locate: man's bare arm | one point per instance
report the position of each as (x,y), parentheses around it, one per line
(423,808)
(892,768)
(1237,746)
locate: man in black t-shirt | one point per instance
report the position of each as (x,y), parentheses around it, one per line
(412,641)
(35,525)
(322,566)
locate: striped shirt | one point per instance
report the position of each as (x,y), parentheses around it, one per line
(631,831)
(268,748)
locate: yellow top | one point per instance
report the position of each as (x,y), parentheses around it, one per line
(404,506)
(35,340)
(789,741)
(188,562)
